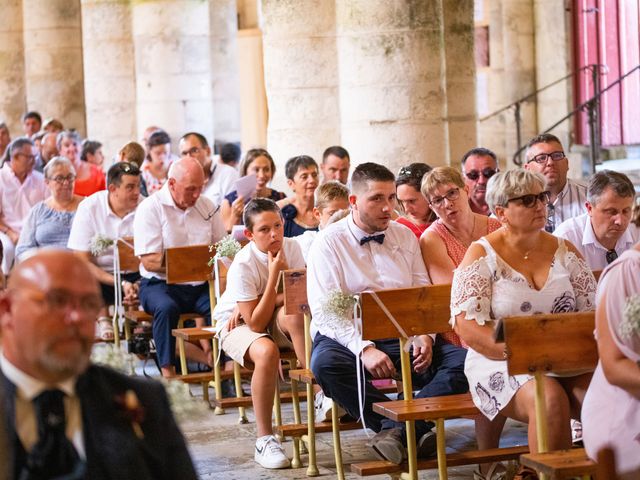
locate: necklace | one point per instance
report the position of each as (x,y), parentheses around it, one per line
(526,254)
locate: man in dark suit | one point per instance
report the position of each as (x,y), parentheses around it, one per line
(66,419)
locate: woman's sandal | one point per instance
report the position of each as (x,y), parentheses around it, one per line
(105,329)
(526,473)
(497,471)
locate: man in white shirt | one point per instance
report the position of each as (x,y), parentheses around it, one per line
(545,155)
(63,414)
(175,216)
(20,189)
(335,164)
(107,215)
(367,251)
(219,178)
(605,231)
(478,166)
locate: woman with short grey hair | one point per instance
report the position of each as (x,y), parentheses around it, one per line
(519,270)
(49,222)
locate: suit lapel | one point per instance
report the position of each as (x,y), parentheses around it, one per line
(111,445)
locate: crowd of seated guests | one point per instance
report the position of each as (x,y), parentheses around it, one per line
(517,242)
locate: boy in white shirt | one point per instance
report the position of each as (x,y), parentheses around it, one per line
(252,333)
(330,198)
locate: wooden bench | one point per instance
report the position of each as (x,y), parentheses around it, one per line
(420,310)
(554,343)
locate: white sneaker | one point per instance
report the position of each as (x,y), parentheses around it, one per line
(270,454)
(323,406)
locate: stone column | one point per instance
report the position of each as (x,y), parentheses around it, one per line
(224,69)
(300,66)
(109,73)
(512,76)
(53,60)
(173,66)
(12,99)
(393,81)
(460,78)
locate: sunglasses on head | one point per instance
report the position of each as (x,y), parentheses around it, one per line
(485,172)
(530,200)
(130,168)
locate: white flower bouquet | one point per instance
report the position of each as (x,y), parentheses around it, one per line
(630,325)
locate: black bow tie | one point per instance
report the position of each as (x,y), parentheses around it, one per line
(376,238)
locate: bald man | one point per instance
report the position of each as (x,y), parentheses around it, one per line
(66,418)
(175,216)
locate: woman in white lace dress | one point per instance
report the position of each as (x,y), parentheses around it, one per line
(519,270)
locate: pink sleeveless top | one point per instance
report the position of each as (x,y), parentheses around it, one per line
(456,251)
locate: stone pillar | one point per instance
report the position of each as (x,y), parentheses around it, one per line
(224,69)
(460,78)
(173,66)
(552,63)
(301,78)
(53,60)
(393,81)
(12,99)
(109,73)
(512,76)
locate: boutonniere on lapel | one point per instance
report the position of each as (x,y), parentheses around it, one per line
(132,410)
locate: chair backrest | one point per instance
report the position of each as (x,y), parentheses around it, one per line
(294,287)
(189,264)
(419,310)
(561,342)
(126,255)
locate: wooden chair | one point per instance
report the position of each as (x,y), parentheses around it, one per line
(554,343)
(128,263)
(295,302)
(420,310)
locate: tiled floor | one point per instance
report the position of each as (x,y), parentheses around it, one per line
(223,449)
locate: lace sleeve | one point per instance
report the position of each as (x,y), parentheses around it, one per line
(583,281)
(471,292)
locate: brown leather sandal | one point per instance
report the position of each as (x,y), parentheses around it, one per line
(526,473)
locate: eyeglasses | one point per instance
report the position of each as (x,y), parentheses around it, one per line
(542,158)
(529,201)
(60,179)
(451,195)
(60,301)
(192,152)
(611,255)
(129,168)
(485,172)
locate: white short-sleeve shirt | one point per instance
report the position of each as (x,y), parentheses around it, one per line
(337,261)
(248,275)
(221,182)
(95,217)
(160,224)
(579,231)
(16,199)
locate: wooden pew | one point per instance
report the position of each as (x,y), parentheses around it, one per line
(420,310)
(551,343)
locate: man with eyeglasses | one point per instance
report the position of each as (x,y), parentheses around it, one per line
(20,189)
(64,417)
(545,155)
(478,166)
(175,216)
(107,215)
(605,231)
(219,178)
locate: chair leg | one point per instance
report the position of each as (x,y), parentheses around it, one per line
(295,461)
(183,357)
(412,454)
(277,409)
(441,449)
(237,380)
(217,382)
(312,469)
(337,448)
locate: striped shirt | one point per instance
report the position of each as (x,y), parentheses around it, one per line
(569,203)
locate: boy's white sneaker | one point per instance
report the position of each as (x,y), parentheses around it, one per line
(323,406)
(270,454)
